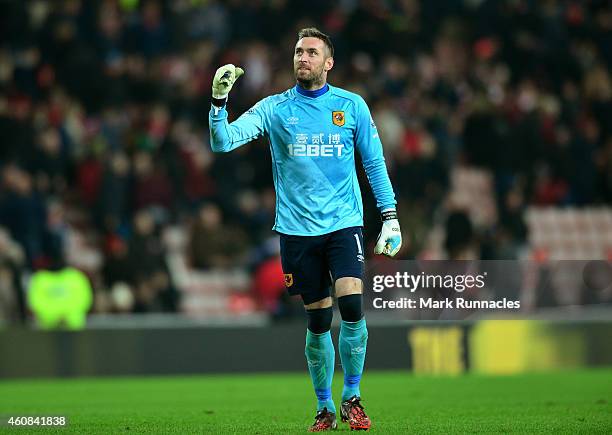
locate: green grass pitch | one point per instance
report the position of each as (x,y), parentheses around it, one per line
(397,402)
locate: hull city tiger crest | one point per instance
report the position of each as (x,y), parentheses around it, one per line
(288,279)
(338,118)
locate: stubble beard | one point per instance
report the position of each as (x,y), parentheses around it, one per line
(312,80)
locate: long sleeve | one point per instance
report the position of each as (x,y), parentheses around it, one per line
(371,151)
(225,137)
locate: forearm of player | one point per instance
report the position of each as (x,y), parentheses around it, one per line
(220,133)
(389,240)
(220,137)
(225,136)
(380,183)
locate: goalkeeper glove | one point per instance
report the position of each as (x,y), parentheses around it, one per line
(224,79)
(390,238)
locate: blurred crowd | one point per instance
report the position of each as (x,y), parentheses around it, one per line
(103,120)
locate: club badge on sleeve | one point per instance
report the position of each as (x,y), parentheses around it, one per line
(288,279)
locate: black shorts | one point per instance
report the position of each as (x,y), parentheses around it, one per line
(312,263)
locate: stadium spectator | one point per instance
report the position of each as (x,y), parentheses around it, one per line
(12,259)
(153,285)
(212,245)
(22,212)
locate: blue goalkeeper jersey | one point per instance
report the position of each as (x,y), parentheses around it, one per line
(313,137)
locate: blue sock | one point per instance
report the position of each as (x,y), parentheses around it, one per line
(353,343)
(321,358)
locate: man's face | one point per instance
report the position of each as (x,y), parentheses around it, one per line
(311,61)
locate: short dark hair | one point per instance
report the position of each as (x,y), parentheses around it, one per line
(313,32)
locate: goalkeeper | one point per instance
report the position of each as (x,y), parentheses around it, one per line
(314,130)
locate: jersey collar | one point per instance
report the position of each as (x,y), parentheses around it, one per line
(312,94)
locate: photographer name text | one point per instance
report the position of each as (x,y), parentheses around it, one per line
(422,281)
(447,303)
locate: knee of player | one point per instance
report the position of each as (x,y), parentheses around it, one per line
(347,286)
(350,307)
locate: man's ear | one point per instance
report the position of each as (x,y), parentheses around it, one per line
(329,63)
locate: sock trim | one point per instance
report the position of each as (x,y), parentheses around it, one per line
(352,380)
(318,335)
(323,394)
(354,326)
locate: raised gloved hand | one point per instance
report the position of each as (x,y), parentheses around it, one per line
(390,238)
(225,77)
